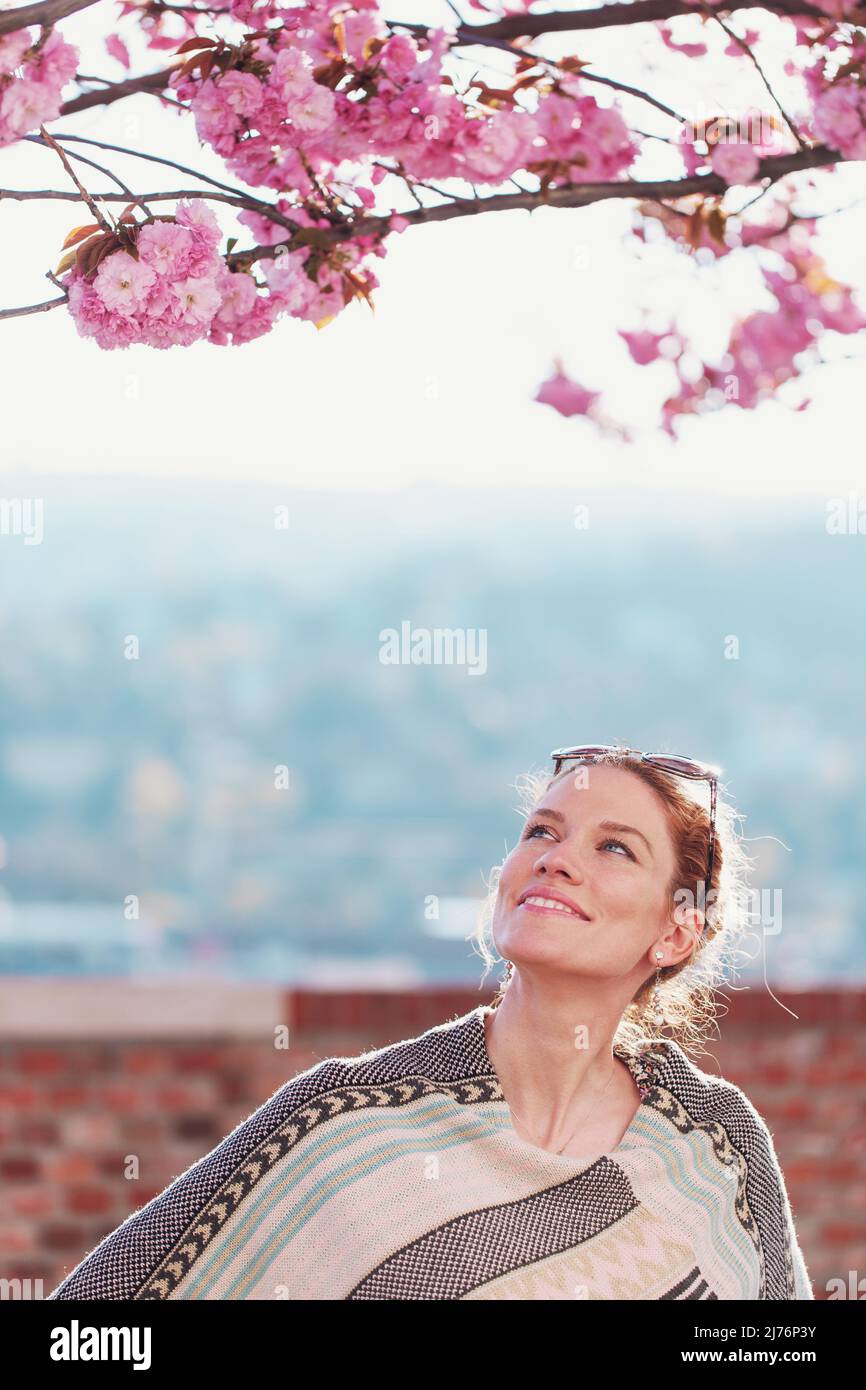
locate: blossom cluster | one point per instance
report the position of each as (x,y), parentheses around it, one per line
(765,350)
(319,101)
(168,289)
(172,287)
(33,74)
(274,109)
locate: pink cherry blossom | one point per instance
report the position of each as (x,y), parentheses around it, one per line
(643,345)
(492,147)
(399,57)
(735,161)
(691,50)
(122,282)
(117,49)
(166,247)
(197,300)
(840,118)
(315,111)
(33,94)
(567,396)
(291,77)
(12,49)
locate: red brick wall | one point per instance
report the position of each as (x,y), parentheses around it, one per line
(78,1097)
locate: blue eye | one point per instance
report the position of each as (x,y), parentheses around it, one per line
(529,834)
(621,845)
(537,825)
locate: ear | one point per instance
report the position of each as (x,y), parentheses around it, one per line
(685,915)
(685,926)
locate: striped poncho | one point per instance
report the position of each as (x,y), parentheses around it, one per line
(398,1174)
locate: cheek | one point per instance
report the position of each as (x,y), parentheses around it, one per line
(516,868)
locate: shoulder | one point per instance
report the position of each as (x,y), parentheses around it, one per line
(120,1265)
(708,1099)
(703,1093)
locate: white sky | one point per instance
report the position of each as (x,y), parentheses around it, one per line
(436,386)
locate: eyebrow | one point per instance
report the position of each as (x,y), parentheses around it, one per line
(551,814)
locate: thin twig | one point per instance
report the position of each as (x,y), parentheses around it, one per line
(151,158)
(266,210)
(100,216)
(504,47)
(82,159)
(763,76)
(573,195)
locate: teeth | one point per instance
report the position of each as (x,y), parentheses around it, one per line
(551,902)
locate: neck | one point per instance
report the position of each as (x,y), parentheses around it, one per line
(550,1055)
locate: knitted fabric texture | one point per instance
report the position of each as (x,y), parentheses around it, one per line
(398,1174)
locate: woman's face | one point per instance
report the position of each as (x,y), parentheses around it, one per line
(574,845)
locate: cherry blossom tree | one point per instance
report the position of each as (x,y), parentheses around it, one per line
(340,128)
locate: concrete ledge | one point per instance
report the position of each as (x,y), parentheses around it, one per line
(51,1008)
(43,1009)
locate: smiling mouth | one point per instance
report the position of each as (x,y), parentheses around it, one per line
(541,904)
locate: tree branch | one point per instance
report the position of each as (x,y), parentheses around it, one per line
(609,16)
(45,13)
(116,91)
(577,195)
(484,35)
(570,196)
(33,308)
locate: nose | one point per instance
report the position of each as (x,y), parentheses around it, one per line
(552,861)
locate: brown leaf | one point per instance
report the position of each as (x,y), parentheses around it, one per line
(102,251)
(330,74)
(694,229)
(79,233)
(85,249)
(90,255)
(66,263)
(358,288)
(196,42)
(493,96)
(85,253)
(572,64)
(716,221)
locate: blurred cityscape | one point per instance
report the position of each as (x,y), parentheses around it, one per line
(207,768)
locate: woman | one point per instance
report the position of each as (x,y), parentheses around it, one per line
(553,1146)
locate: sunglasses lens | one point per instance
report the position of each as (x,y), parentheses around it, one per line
(586,750)
(684,766)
